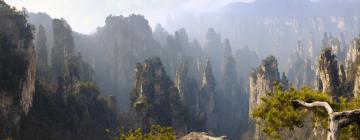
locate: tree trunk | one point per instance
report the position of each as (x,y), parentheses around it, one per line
(333,131)
(337,120)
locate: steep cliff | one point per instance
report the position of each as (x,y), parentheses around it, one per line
(352,53)
(262,80)
(17,69)
(301,67)
(328,70)
(67,104)
(155,99)
(188,89)
(231,100)
(207,98)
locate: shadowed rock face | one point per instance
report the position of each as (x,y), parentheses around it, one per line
(17,69)
(207,97)
(155,98)
(329,72)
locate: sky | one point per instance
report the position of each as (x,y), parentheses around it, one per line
(85,16)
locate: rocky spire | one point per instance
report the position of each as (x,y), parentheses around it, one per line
(188,89)
(262,80)
(155,98)
(353,53)
(40,45)
(329,72)
(63,62)
(207,97)
(63,49)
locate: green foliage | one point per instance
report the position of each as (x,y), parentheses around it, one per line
(88,85)
(156,133)
(277,112)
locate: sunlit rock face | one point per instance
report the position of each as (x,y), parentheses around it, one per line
(262,80)
(17,69)
(353,69)
(357,84)
(207,97)
(328,70)
(188,89)
(155,99)
(353,53)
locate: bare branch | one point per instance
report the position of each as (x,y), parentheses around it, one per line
(347,114)
(325,105)
(347,117)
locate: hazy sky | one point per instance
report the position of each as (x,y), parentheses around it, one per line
(85,15)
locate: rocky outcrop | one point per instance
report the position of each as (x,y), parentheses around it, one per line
(262,80)
(155,99)
(200,136)
(17,69)
(328,70)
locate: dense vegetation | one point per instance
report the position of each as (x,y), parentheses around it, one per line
(156,132)
(278,114)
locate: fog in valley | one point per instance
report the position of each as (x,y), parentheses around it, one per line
(190,69)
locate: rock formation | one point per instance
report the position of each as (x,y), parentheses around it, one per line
(155,99)
(356,90)
(352,53)
(41,47)
(262,80)
(328,70)
(231,102)
(207,98)
(17,69)
(301,72)
(200,136)
(188,89)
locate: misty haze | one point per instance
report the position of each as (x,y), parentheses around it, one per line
(179,70)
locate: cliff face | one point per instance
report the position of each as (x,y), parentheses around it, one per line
(207,98)
(353,53)
(67,105)
(356,90)
(155,98)
(352,61)
(17,69)
(301,71)
(328,72)
(262,80)
(188,89)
